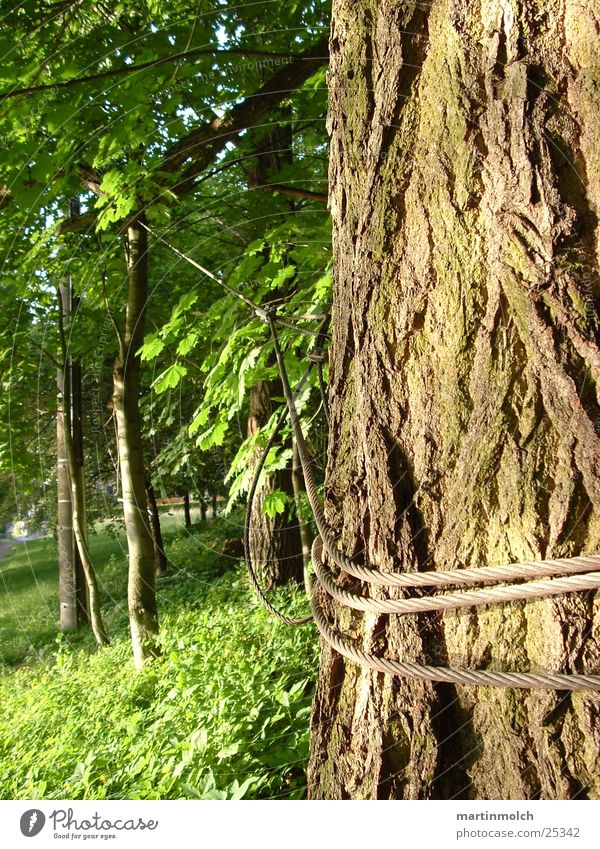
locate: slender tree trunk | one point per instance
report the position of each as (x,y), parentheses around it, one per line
(73,586)
(274,542)
(464,385)
(76,483)
(215,509)
(67,581)
(143,616)
(83,617)
(202,504)
(160,558)
(186,510)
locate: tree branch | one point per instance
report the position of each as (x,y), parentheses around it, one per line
(154,63)
(290,190)
(204,143)
(73,224)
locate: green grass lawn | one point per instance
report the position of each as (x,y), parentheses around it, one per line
(223,713)
(29,595)
(29,587)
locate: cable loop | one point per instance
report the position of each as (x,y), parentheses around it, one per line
(328,539)
(538,589)
(252,493)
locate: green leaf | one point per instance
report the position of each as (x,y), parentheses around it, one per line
(185,302)
(215,435)
(152,347)
(187,343)
(275,503)
(238,791)
(228,751)
(255,247)
(199,420)
(169,378)
(323,286)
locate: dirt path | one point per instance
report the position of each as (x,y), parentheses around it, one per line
(7,544)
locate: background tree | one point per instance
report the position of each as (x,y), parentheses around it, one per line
(76,480)
(275,546)
(27,405)
(67,545)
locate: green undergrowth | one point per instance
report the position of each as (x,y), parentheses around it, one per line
(222,714)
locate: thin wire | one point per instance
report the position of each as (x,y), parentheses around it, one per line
(252,492)
(260,311)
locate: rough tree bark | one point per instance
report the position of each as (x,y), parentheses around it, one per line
(143,616)
(465,374)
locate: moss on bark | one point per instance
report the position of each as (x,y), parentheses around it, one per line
(464,383)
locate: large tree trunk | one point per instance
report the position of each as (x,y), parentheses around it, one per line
(143,616)
(275,543)
(464,385)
